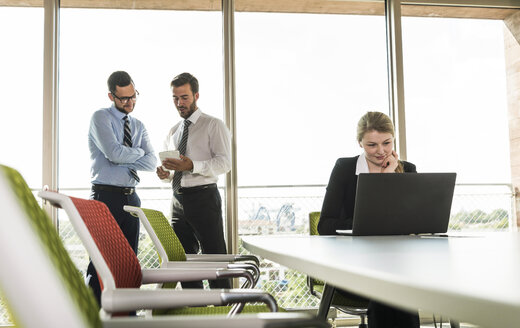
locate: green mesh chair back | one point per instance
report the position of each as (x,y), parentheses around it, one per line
(9,317)
(164,231)
(314,219)
(338,300)
(48,237)
(170,242)
(175,252)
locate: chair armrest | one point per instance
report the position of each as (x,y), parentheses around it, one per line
(151,276)
(222,258)
(251,268)
(210,257)
(132,299)
(252,258)
(195,265)
(161,275)
(217,265)
(259,320)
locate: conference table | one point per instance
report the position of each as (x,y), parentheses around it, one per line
(468,278)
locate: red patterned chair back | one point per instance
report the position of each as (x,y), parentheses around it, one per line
(111,242)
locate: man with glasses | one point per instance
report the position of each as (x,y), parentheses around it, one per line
(204,144)
(119,148)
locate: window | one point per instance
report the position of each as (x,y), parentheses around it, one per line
(303,81)
(153,47)
(456,97)
(457,111)
(21,64)
(21,67)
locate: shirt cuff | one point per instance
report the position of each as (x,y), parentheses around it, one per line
(197,166)
(169,178)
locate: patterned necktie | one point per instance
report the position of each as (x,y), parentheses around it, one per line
(176,182)
(127,141)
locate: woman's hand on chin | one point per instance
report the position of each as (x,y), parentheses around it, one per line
(390,163)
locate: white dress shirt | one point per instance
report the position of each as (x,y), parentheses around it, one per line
(362,165)
(209,147)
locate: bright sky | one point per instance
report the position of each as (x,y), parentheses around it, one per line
(303,81)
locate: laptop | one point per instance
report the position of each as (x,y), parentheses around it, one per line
(402,204)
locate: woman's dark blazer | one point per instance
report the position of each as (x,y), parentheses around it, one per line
(338,206)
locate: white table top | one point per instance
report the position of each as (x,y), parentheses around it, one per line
(472,279)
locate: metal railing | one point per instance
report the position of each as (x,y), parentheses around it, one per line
(284,210)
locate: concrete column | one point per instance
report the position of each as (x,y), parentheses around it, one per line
(512,57)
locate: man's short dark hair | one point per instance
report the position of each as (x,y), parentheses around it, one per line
(118,78)
(184,78)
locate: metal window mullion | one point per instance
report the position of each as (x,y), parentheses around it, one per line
(395,73)
(50,100)
(228,8)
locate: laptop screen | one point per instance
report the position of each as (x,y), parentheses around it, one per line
(402,204)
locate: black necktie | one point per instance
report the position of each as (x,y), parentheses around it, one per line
(176,182)
(127,141)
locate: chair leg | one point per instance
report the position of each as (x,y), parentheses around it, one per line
(454,324)
(326,300)
(363,323)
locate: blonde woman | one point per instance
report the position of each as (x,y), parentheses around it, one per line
(375,134)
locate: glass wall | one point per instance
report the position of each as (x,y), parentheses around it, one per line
(21,85)
(457,114)
(152,46)
(302,83)
(456,98)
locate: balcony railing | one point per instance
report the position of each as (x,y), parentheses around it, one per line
(284,210)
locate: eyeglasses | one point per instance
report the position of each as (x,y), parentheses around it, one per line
(124,100)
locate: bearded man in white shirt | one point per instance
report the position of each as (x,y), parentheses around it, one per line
(196,203)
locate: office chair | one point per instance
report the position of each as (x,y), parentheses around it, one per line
(43,288)
(172,254)
(119,269)
(351,304)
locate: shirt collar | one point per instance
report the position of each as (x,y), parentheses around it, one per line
(362,165)
(117,113)
(195,116)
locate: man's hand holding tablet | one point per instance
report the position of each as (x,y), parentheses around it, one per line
(169,154)
(162,172)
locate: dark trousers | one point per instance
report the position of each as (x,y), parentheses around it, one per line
(197,221)
(128,224)
(385,316)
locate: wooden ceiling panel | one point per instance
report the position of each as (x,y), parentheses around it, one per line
(281,6)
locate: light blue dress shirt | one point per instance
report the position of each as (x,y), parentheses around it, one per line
(111,160)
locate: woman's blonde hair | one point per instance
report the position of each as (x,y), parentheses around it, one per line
(380,122)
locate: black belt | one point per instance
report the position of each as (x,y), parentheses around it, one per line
(189,190)
(120,190)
